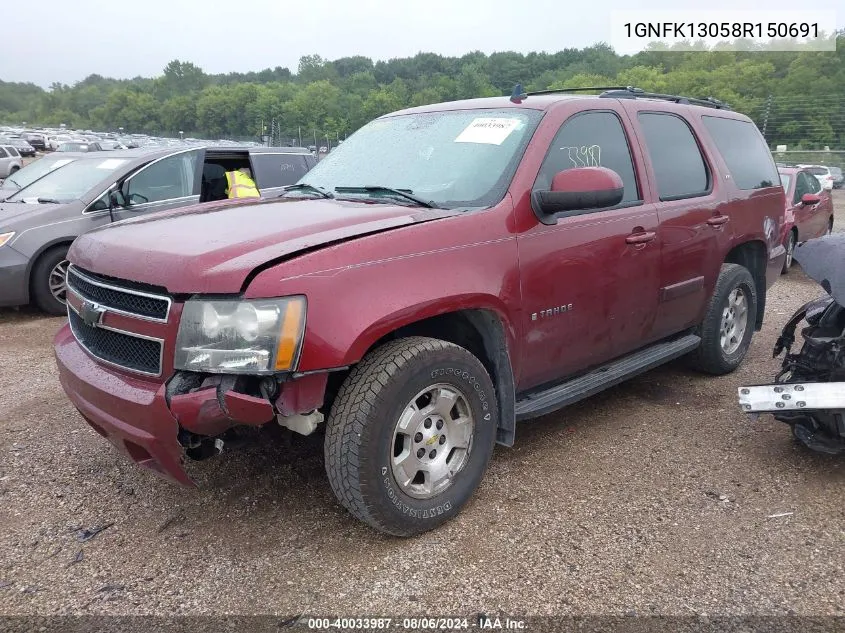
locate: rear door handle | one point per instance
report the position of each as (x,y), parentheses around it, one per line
(718,220)
(641,238)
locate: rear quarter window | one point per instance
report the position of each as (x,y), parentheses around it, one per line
(278,170)
(745,152)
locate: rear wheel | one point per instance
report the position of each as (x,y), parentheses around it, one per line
(14,169)
(830,225)
(410,434)
(48,282)
(790,251)
(729,323)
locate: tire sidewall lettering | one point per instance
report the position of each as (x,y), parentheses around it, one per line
(467,378)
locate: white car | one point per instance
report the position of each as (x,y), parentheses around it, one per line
(822,174)
(10,161)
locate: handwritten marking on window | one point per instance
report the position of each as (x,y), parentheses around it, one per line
(583,155)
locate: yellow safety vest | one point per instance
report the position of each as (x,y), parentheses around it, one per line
(241,185)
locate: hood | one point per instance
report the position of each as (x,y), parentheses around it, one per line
(12,212)
(821,259)
(213,247)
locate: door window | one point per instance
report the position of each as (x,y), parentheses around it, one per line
(278,170)
(591,139)
(813,183)
(167,179)
(678,165)
(802,186)
(3,153)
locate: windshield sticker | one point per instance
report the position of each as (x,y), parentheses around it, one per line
(489,131)
(111,163)
(584,156)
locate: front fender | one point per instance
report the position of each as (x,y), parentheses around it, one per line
(352,307)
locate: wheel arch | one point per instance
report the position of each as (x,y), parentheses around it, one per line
(481,331)
(59,241)
(753,256)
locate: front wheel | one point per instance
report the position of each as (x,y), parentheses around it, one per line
(729,323)
(48,281)
(410,434)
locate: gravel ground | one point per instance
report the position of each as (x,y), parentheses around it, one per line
(652,498)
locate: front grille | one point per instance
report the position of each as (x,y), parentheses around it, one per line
(124,350)
(127,300)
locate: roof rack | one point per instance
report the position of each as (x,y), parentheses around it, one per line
(633,93)
(587,89)
(630,92)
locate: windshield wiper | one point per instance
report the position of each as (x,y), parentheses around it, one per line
(48,201)
(306,187)
(13,182)
(408,194)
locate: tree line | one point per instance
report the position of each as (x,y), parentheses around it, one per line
(799,97)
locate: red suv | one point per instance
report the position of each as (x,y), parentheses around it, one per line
(809,209)
(447,271)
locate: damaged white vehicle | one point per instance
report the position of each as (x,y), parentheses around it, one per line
(809,392)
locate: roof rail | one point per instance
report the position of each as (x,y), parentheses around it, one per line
(634,93)
(630,92)
(587,89)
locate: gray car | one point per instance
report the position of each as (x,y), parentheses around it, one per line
(39,222)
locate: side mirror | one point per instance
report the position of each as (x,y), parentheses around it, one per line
(809,199)
(116,199)
(579,189)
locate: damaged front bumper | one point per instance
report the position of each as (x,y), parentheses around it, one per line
(157,424)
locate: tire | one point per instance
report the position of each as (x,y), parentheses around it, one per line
(714,356)
(362,437)
(790,250)
(14,169)
(40,281)
(830,225)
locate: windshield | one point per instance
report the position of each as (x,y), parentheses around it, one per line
(817,171)
(32,172)
(785,179)
(70,182)
(460,158)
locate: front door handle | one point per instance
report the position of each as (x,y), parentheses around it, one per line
(718,220)
(641,238)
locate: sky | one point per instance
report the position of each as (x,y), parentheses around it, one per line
(66,40)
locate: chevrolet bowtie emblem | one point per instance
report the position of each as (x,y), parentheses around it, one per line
(91,313)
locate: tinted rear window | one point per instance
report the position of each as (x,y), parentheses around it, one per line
(678,165)
(278,170)
(817,171)
(745,152)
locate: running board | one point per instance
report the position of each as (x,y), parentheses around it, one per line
(613,373)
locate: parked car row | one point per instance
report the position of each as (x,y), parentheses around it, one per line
(46,140)
(50,202)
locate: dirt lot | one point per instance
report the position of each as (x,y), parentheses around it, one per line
(652,498)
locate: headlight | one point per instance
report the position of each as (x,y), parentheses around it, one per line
(260,336)
(5,237)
